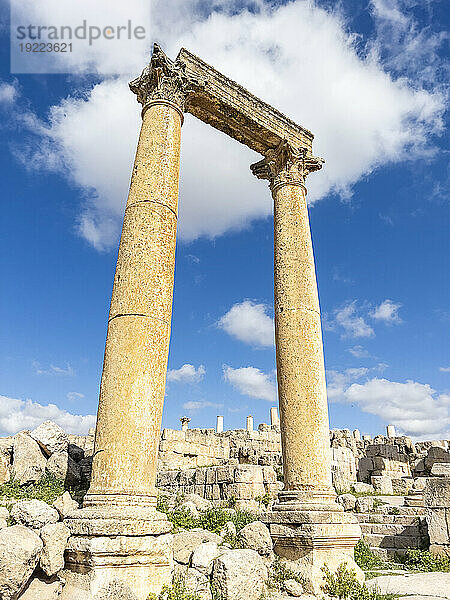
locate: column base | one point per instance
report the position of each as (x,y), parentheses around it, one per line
(308,537)
(117,552)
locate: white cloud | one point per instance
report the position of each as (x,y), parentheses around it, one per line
(194,405)
(8,92)
(252,382)
(102,56)
(249,323)
(16,415)
(74,396)
(53,369)
(444,369)
(415,409)
(387,311)
(186,374)
(359,352)
(353,325)
(362,116)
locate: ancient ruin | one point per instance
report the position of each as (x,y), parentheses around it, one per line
(118,534)
(290,493)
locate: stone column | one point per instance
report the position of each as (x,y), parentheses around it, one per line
(219,424)
(121,501)
(185,423)
(274,418)
(249,423)
(357,435)
(308,495)
(390,431)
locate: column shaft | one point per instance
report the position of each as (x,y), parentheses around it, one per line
(300,365)
(137,344)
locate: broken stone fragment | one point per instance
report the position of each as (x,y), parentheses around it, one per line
(20,548)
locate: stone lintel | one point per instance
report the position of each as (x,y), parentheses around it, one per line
(224,104)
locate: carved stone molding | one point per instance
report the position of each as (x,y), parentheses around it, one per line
(162,80)
(285,165)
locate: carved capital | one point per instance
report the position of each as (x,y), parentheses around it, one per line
(285,165)
(162,80)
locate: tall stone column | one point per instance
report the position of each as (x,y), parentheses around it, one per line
(306,523)
(119,539)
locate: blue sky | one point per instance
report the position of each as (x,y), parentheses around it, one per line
(368,80)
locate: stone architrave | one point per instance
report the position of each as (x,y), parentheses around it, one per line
(119,535)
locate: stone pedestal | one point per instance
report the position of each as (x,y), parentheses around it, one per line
(116,553)
(307,525)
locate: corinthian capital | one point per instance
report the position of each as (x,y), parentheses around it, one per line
(285,165)
(162,79)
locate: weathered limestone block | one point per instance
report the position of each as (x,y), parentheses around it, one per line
(54,537)
(185,542)
(42,589)
(197,583)
(441,469)
(117,566)
(33,513)
(402,485)
(239,575)
(362,488)
(204,555)
(348,501)
(50,437)
(437,492)
(20,548)
(256,536)
(28,461)
(436,454)
(65,505)
(293,587)
(382,484)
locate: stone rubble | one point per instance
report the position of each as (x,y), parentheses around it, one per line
(399,491)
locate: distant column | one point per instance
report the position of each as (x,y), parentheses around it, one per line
(185,423)
(249,423)
(390,430)
(357,435)
(274,418)
(219,424)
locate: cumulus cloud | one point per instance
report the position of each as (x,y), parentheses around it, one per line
(74,396)
(350,323)
(387,312)
(416,409)
(249,322)
(359,351)
(8,92)
(17,414)
(186,374)
(252,382)
(363,115)
(53,369)
(444,369)
(102,56)
(194,405)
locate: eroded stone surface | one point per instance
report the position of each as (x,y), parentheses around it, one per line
(20,548)
(240,575)
(34,513)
